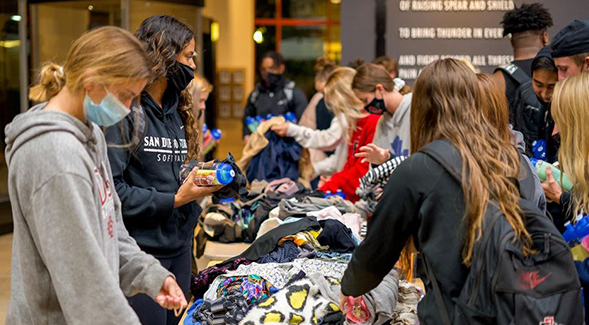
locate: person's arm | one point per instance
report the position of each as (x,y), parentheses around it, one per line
(66,226)
(299,102)
(249,111)
(394,220)
(317,139)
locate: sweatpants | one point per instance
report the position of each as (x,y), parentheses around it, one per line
(149,312)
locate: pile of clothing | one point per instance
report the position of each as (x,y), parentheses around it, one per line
(269,205)
(292,273)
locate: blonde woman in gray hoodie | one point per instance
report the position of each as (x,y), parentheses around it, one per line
(73,261)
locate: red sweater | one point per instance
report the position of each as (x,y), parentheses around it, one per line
(348,179)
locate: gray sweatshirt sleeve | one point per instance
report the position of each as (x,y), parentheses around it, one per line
(66,231)
(138,272)
(317,139)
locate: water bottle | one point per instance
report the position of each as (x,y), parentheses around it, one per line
(291,117)
(260,120)
(341,194)
(327,194)
(211,142)
(185,169)
(227,201)
(574,234)
(252,124)
(269,117)
(541,165)
(539,149)
(223,174)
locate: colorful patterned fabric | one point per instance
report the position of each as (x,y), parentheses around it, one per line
(252,287)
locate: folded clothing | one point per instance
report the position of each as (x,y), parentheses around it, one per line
(289,208)
(288,252)
(268,242)
(337,236)
(351,220)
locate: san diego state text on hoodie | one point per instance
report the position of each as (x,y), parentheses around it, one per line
(146,177)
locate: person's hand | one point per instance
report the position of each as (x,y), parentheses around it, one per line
(280,129)
(378,192)
(551,187)
(343,303)
(373,154)
(323,180)
(189,191)
(171,296)
(246,139)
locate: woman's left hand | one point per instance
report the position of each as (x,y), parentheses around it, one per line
(171,296)
(551,187)
(280,129)
(343,302)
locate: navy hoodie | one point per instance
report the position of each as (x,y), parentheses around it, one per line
(146,176)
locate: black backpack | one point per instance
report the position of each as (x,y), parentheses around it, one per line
(526,112)
(503,286)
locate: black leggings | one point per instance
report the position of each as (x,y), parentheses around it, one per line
(149,312)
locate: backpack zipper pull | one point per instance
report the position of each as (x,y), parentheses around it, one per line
(547,243)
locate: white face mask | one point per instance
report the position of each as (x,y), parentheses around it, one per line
(110,111)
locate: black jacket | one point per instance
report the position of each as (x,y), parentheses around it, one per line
(146,178)
(263,101)
(423,200)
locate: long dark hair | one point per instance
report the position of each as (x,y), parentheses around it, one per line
(165,37)
(448,103)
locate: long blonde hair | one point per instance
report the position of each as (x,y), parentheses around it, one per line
(570,109)
(340,98)
(447,105)
(113,55)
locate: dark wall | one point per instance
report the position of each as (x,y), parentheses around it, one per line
(358,26)
(358,40)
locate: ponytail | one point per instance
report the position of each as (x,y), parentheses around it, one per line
(51,80)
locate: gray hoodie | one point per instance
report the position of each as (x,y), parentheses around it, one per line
(539,196)
(73,261)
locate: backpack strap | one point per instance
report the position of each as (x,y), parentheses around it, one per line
(445,154)
(515,73)
(437,292)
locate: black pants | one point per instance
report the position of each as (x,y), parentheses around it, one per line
(149,312)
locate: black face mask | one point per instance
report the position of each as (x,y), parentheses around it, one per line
(273,79)
(180,77)
(376,106)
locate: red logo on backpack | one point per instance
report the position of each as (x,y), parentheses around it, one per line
(530,280)
(548,321)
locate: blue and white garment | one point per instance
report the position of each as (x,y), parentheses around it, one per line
(379,176)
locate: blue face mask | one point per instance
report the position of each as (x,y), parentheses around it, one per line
(110,111)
